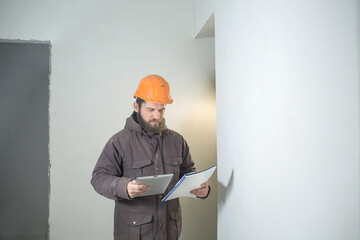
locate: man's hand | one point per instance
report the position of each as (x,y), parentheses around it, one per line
(203,191)
(135,189)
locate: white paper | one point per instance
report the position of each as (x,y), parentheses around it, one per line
(189,182)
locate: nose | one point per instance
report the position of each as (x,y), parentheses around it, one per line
(157,115)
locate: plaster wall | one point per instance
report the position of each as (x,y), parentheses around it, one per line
(100,51)
(287,97)
(203,9)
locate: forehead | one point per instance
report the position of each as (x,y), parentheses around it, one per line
(153,105)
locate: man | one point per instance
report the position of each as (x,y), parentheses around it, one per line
(145,147)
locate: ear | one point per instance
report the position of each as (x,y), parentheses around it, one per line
(136,107)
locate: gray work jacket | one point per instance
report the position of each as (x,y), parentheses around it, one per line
(132,153)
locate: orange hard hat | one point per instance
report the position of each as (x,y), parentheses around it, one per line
(154,88)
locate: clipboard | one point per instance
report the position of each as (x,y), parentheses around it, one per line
(158,183)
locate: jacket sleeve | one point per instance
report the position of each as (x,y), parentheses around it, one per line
(187,164)
(107,177)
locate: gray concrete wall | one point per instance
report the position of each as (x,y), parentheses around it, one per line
(24,139)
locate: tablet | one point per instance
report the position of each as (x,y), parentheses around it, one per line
(158,183)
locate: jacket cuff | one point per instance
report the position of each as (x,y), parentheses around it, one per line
(121,191)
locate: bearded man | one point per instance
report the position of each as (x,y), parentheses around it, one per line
(145,147)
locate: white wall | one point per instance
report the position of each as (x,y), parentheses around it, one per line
(287,92)
(100,51)
(203,10)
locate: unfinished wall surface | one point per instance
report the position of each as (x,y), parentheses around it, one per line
(100,51)
(287,92)
(24,140)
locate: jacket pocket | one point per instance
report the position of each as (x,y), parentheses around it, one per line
(137,226)
(175,224)
(172,165)
(137,168)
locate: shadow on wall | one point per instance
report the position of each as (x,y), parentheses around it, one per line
(224,191)
(199,130)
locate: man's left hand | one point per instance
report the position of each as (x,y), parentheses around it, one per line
(203,191)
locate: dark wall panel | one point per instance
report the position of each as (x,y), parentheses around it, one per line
(24,139)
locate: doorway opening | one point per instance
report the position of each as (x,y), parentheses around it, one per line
(24,139)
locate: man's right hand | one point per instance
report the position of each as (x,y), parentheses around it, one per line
(135,189)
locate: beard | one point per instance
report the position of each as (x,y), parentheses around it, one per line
(156,128)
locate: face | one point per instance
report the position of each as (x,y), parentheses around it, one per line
(151,116)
